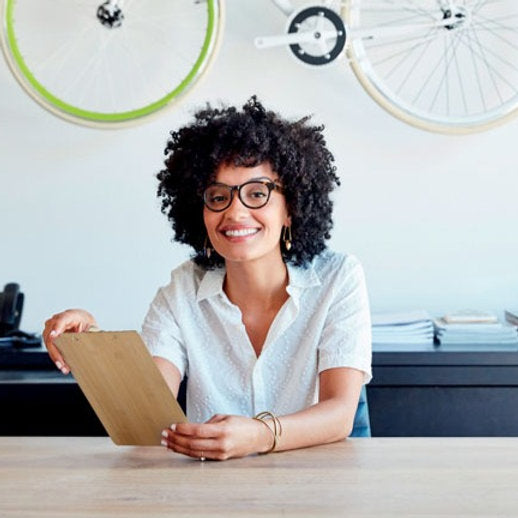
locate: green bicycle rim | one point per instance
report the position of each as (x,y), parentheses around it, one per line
(101,116)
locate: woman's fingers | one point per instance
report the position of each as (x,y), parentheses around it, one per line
(50,333)
(207,440)
(198,430)
(75,321)
(192,442)
(217,418)
(197,454)
(193,447)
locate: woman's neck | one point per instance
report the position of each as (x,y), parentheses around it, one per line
(256,284)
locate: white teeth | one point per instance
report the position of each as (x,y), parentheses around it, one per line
(241,232)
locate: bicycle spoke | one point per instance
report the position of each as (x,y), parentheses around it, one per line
(497,35)
(479,4)
(498,57)
(142,74)
(496,72)
(496,21)
(410,8)
(447,83)
(461,85)
(86,70)
(447,63)
(61,53)
(419,57)
(486,63)
(398,42)
(399,21)
(477,76)
(417,42)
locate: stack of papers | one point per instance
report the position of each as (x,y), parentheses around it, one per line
(414,327)
(511,317)
(456,330)
(470,316)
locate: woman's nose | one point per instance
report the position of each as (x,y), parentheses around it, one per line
(236,206)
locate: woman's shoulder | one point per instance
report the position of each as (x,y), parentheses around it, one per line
(187,270)
(185,279)
(329,264)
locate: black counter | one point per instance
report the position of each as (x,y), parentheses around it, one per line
(416,391)
(444,391)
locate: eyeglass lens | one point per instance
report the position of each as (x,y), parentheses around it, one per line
(253,195)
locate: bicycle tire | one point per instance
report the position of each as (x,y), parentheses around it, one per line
(67,56)
(460,76)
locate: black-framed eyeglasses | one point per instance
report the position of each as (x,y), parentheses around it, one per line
(253,194)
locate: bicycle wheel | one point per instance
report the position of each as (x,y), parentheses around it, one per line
(443,65)
(111,62)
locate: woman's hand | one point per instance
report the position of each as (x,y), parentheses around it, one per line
(71,321)
(221,437)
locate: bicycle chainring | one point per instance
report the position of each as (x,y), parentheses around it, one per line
(312,52)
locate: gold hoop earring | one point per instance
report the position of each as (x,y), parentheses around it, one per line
(286,237)
(207,249)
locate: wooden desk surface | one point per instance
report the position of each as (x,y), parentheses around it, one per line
(379,477)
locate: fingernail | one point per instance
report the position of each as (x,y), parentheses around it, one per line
(53,333)
(173,427)
(163,443)
(64,370)
(59,365)
(164,433)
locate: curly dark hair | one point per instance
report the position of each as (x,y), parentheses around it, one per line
(296,151)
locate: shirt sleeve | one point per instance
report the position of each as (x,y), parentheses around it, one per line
(162,335)
(347,336)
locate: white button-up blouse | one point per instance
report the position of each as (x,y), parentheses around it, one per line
(324,323)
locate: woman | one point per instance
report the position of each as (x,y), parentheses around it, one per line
(263,320)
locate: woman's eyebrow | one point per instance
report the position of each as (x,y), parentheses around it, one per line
(261,178)
(257,179)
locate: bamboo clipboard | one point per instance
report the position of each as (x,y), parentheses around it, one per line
(123,385)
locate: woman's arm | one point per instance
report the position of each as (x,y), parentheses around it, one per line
(224,436)
(332,418)
(170,373)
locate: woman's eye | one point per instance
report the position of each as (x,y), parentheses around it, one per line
(218,198)
(257,194)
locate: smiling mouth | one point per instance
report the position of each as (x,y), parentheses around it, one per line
(241,232)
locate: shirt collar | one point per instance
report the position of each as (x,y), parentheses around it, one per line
(211,284)
(302,277)
(299,279)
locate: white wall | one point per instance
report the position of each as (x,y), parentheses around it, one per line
(432,217)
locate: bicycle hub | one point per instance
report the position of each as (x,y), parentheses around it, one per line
(110,14)
(457,15)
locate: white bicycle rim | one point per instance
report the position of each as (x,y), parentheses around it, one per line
(100,75)
(441,65)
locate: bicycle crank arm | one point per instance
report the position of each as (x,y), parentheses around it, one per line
(295,38)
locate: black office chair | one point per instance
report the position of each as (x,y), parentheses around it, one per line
(362,424)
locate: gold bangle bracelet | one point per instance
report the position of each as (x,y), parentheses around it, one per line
(277,427)
(271,431)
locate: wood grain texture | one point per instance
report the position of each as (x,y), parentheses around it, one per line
(122,384)
(385,477)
